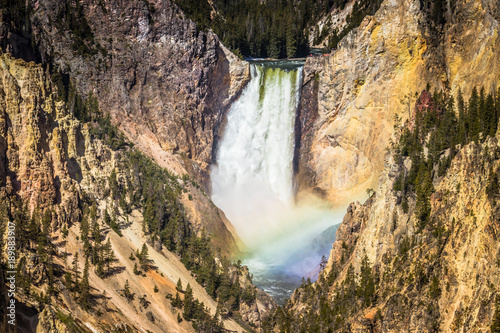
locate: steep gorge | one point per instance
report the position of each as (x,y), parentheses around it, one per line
(168,87)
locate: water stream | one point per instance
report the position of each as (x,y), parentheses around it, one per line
(252,182)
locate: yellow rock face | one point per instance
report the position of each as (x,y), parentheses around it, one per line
(375,74)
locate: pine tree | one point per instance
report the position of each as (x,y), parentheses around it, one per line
(273,49)
(84,228)
(93,212)
(34,229)
(96,233)
(114,225)
(68,281)
(100,262)
(127,293)
(434,290)
(113,184)
(367,283)
(473,115)
(44,245)
(463,119)
(176,302)
(291,38)
(85,287)
(481,110)
(495,323)
(143,259)
(123,204)
(179,285)
(188,303)
(65,231)
(491,122)
(110,255)
(75,268)
(107,217)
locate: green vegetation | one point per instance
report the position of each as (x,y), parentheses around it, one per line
(136,183)
(87,111)
(360,9)
(495,324)
(438,128)
(195,311)
(272,28)
(127,293)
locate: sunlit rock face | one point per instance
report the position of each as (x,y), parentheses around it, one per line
(165,84)
(350,98)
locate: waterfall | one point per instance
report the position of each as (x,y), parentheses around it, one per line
(252,180)
(252,183)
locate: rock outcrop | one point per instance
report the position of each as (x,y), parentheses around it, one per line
(166,84)
(377,72)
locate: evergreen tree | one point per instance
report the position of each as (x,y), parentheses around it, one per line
(176,302)
(434,290)
(109,254)
(100,262)
(143,259)
(113,184)
(473,115)
(179,285)
(114,225)
(127,293)
(65,231)
(107,217)
(273,49)
(291,38)
(188,303)
(75,268)
(85,288)
(463,126)
(481,110)
(34,229)
(68,281)
(123,204)
(490,119)
(367,283)
(495,323)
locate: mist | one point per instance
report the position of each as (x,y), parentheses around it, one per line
(252,182)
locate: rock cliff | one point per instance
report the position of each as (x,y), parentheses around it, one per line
(377,72)
(166,84)
(442,277)
(56,164)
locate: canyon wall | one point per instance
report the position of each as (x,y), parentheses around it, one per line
(166,84)
(443,277)
(350,98)
(55,163)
